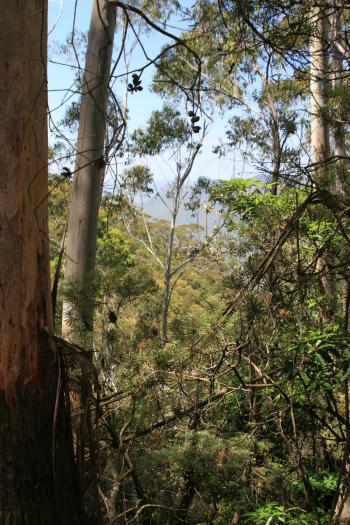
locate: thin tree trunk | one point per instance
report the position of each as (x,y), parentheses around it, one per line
(276,143)
(342,185)
(90,167)
(276,167)
(38,483)
(167,272)
(339,128)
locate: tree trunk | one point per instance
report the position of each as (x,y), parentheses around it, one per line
(320,147)
(90,163)
(167,272)
(342,185)
(38,484)
(84,207)
(276,143)
(339,128)
(318,88)
(342,506)
(342,509)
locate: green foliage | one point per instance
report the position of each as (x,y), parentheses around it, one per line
(165,129)
(112,248)
(137,179)
(274,514)
(71,116)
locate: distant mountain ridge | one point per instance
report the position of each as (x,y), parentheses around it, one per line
(154,207)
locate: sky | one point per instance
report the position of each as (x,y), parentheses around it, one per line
(140,105)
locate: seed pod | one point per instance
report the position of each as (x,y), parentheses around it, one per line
(100,163)
(66,172)
(196,129)
(112,317)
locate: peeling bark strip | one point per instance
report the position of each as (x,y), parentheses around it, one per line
(36,485)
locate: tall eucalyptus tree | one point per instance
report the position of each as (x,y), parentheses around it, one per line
(90,161)
(38,483)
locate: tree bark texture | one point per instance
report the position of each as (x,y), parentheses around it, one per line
(340,150)
(37,471)
(320,132)
(89,168)
(167,272)
(319,72)
(339,131)
(276,142)
(342,507)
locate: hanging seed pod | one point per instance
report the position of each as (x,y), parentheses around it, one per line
(136,80)
(100,163)
(66,172)
(136,84)
(112,317)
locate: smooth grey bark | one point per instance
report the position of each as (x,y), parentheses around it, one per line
(319,73)
(90,162)
(320,137)
(84,208)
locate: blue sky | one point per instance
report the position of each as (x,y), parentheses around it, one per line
(140,105)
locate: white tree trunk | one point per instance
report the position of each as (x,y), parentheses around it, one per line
(167,271)
(320,146)
(319,71)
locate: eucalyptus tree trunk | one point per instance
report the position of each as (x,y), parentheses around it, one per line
(90,163)
(168,267)
(84,207)
(342,506)
(274,127)
(276,143)
(320,146)
(342,183)
(38,483)
(319,74)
